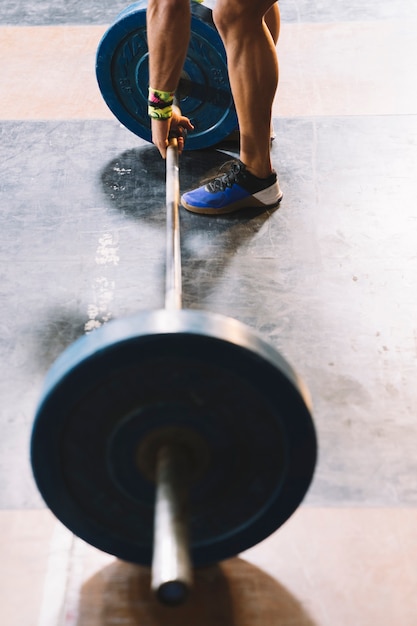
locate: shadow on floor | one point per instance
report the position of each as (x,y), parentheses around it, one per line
(232,593)
(134,181)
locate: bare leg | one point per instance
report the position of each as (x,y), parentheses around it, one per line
(253,72)
(273,21)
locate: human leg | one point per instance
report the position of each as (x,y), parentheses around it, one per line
(253,73)
(249,29)
(273,21)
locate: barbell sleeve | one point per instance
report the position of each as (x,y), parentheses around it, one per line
(171,562)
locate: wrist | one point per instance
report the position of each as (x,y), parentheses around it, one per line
(160,104)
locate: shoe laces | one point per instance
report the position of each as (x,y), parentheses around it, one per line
(228,179)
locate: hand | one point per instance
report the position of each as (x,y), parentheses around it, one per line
(162,128)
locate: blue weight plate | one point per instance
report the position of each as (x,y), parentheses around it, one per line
(205,96)
(203,373)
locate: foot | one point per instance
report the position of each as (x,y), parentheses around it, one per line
(233,190)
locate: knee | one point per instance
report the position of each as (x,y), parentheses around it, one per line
(168,8)
(237,15)
(228,14)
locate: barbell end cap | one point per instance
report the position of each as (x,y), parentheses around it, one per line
(172,593)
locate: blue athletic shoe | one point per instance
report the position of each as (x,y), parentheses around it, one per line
(233,190)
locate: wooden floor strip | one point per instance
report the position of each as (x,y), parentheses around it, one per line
(49,71)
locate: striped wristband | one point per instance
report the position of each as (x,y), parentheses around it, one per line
(160,104)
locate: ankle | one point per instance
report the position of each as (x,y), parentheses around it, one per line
(259,172)
(259,167)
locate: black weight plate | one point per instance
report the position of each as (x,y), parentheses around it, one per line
(205,96)
(197,371)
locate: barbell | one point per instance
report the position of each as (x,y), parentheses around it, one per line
(173,438)
(204,91)
(193,402)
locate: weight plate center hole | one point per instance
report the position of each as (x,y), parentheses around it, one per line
(190,447)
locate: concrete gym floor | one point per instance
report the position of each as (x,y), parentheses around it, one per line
(330,279)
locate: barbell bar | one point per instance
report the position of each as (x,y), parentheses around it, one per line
(171,561)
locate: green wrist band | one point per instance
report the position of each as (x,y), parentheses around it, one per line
(160,104)
(157,113)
